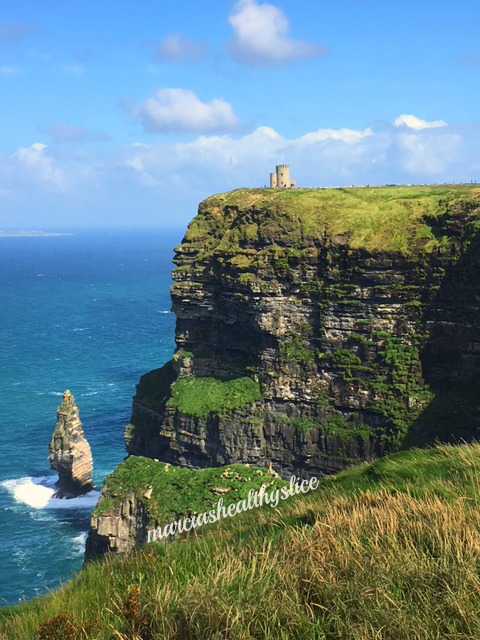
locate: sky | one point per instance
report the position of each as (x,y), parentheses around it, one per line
(122,113)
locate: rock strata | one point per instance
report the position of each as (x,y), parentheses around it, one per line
(315,329)
(119,530)
(355,311)
(69,452)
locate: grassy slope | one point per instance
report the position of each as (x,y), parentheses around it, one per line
(388,550)
(376,218)
(176,492)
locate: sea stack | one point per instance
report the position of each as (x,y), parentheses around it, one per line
(70,454)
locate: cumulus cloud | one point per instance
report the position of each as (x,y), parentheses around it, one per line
(179,174)
(65,132)
(261,36)
(412,122)
(34,162)
(38,173)
(176,47)
(180,110)
(429,154)
(326,157)
(350,136)
(223,162)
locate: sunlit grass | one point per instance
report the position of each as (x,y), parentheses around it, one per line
(387,550)
(375,218)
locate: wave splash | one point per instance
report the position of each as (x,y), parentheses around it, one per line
(38,494)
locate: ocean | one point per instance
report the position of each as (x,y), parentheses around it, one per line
(89,312)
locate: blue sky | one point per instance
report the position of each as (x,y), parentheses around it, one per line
(123,113)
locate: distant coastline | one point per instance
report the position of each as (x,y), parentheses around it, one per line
(31,234)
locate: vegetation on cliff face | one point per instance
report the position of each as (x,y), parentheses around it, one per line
(202,396)
(170,492)
(366,298)
(384,550)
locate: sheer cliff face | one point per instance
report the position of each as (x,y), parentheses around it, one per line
(354,311)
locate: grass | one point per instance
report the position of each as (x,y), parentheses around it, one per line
(201,396)
(177,492)
(391,219)
(388,551)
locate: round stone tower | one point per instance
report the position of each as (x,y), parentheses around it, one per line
(283,176)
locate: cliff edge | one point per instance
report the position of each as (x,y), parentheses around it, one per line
(316,328)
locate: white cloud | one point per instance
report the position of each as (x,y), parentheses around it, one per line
(261,36)
(175,46)
(429,154)
(224,162)
(39,166)
(180,174)
(380,155)
(350,136)
(180,110)
(412,122)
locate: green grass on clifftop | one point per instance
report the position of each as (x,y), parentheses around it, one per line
(387,551)
(375,218)
(177,492)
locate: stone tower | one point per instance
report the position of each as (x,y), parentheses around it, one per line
(281,178)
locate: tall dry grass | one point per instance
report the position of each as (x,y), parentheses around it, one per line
(377,564)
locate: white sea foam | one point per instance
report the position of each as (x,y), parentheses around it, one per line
(38,494)
(164,312)
(78,544)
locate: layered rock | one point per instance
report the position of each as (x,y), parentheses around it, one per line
(355,312)
(69,452)
(118,529)
(144,494)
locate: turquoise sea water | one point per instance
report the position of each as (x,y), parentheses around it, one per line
(90,313)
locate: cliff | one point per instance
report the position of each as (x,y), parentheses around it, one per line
(69,452)
(143,494)
(316,328)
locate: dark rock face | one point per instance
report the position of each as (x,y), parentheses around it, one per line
(70,454)
(357,351)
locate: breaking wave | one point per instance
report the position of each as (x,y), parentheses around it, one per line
(38,494)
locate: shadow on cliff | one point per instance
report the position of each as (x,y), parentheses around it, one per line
(451,354)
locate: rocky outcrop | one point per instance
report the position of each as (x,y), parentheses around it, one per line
(355,311)
(70,454)
(118,529)
(144,494)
